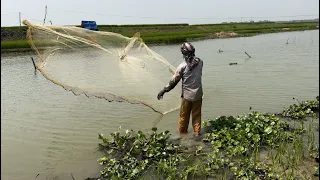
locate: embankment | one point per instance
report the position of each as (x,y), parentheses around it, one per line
(13,39)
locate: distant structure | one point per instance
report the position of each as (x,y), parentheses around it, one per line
(304,20)
(266,21)
(91,25)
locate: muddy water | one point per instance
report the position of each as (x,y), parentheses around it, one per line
(48,131)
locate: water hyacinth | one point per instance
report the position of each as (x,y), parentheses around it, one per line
(232,149)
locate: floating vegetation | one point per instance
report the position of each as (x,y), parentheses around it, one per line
(251,146)
(302,110)
(130,155)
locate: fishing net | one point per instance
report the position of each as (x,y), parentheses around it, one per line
(103,64)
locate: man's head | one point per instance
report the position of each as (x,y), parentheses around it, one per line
(187,49)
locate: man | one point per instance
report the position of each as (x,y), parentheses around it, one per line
(190,71)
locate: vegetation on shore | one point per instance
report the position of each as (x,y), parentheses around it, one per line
(252,146)
(14,37)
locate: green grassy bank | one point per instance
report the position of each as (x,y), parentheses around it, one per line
(13,38)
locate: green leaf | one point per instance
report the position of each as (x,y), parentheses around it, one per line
(199,148)
(136,142)
(256,138)
(104,140)
(268,130)
(110,151)
(135,171)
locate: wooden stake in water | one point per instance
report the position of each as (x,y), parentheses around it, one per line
(247,54)
(34,65)
(232,64)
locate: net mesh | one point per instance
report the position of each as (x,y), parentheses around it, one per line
(103,64)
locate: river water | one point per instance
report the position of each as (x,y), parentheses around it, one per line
(48,131)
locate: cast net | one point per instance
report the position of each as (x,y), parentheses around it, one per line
(101,64)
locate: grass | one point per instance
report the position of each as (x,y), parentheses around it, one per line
(14,37)
(18,44)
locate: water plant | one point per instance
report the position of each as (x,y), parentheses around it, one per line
(251,146)
(130,154)
(302,110)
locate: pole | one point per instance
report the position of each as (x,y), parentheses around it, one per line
(247,54)
(34,64)
(45,15)
(19,19)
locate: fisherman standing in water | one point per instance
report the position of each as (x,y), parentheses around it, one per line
(190,71)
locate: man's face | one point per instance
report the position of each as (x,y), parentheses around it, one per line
(184,56)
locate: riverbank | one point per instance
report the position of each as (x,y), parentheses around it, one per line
(13,38)
(251,146)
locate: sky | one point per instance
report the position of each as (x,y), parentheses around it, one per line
(67,12)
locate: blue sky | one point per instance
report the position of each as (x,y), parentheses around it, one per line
(67,12)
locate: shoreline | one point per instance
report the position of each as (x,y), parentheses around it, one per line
(13,39)
(18,51)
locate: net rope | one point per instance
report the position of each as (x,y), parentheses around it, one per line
(102,64)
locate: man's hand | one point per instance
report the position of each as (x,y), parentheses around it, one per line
(160,94)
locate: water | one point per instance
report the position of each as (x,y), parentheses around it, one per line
(48,131)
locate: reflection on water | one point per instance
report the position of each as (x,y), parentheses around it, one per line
(48,131)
